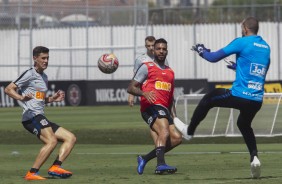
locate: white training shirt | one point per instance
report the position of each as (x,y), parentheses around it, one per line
(37,84)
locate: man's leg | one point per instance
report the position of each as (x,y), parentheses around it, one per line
(247,113)
(154,136)
(161,126)
(68,140)
(217,98)
(49,139)
(244,125)
(175,138)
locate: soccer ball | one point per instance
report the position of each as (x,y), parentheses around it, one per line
(108,63)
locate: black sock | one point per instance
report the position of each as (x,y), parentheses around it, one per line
(33,170)
(57,162)
(160,151)
(190,130)
(150,155)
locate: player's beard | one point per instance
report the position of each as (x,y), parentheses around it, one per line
(160,60)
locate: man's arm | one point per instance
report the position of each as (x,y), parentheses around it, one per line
(57,97)
(134,89)
(137,64)
(232,48)
(173,109)
(214,57)
(11,91)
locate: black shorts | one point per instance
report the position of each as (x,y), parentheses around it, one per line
(156,111)
(37,123)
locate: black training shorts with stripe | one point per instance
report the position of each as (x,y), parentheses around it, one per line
(37,123)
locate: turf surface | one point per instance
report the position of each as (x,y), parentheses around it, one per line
(196,163)
(110,138)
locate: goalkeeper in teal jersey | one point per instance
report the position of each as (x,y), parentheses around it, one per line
(246,94)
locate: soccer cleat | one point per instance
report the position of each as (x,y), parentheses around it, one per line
(183,128)
(255,168)
(161,169)
(33,176)
(141,164)
(58,171)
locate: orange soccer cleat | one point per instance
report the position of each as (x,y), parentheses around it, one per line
(57,170)
(33,176)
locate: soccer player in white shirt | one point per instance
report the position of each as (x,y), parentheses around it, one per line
(33,85)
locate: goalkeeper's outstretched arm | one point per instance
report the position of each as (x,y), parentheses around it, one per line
(207,54)
(214,56)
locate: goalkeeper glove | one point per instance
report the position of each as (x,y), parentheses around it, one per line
(200,49)
(230,64)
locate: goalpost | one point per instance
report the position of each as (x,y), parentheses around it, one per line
(222,121)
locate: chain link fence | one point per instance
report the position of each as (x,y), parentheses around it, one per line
(29,18)
(19,14)
(55,13)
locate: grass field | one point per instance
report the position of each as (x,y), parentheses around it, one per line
(202,164)
(110,138)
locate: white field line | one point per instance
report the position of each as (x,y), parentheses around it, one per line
(179,153)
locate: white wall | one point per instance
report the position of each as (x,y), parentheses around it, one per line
(70,60)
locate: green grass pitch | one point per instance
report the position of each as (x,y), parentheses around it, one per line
(110,138)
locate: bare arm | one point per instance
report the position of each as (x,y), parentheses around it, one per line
(11,91)
(131,97)
(173,109)
(134,89)
(57,97)
(130,100)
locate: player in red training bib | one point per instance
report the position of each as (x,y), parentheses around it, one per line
(154,82)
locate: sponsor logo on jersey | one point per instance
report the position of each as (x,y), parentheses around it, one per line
(163,85)
(252,95)
(39,95)
(258,70)
(255,85)
(260,45)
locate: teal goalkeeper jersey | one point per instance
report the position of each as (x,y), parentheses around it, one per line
(253,60)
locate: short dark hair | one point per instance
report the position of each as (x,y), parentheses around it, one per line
(252,24)
(150,38)
(40,49)
(161,40)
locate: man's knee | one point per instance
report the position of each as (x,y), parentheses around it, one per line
(244,126)
(176,139)
(164,133)
(72,139)
(51,141)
